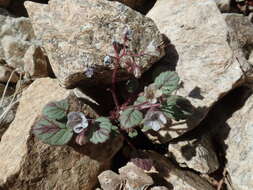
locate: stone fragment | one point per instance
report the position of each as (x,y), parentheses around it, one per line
(197,154)
(78,36)
(129,177)
(177,179)
(109,180)
(27,163)
(238,145)
(241,27)
(135,177)
(36,64)
(207,64)
(16,36)
(7,74)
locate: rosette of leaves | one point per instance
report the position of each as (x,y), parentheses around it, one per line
(51,128)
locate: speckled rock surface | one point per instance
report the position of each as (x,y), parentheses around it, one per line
(196,154)
(16,36)
(78,35)
(27,163)
(207,64)
(239,146)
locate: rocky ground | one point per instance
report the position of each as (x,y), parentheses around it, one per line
(59,49)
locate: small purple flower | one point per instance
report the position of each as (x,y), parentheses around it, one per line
(77,121)
(89,72)
(155,120)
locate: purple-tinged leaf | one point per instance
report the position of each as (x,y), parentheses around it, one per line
(52,132)
(101,130)
(56,110)
(130,118)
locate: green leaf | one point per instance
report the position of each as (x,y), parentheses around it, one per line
(115,129)
(130,118)
(177,108)
(133,133)
(52,132)
(167,81)
(140,100)
(56,110)
(101,131)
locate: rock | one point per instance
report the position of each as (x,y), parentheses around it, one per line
(197,154)
(78,35)
(16,36)
(140,5)
(36,64)
(173,177)
(109,180)
(7,74)
(241,34)
(223,5)
(241,27)
(200,34)
(27,163)
(130,177)
(239,145)
(4,3)
(135,177)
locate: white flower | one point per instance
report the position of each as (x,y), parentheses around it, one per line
(89,72)
(155,120)
(152,93)
(77,121)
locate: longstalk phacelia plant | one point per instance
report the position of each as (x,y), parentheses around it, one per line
(152,109)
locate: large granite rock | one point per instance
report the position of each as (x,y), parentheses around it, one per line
(207,64)
(78,36)
(27,163)
(239,146)
(16,36)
